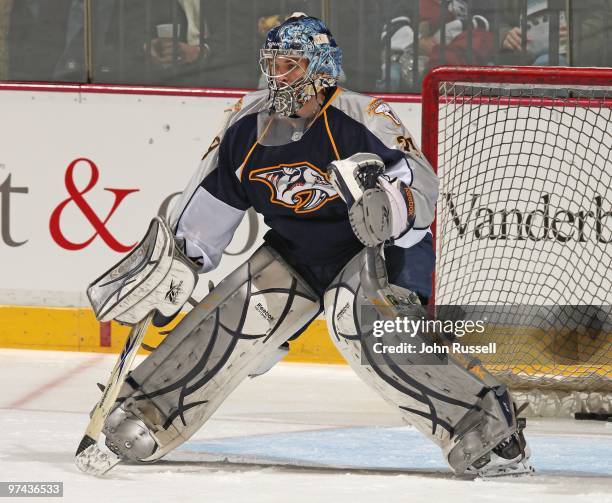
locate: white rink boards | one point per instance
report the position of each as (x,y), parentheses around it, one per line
(138,140)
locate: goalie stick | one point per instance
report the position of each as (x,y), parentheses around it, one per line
(376,287)
(89,457)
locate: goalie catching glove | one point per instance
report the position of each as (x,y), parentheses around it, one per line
(156,275)
(379,209)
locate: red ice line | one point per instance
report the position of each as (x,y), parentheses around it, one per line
(45,388)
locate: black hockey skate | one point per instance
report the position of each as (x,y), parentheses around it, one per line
(509,457)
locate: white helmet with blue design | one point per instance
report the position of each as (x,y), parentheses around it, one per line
(299,37)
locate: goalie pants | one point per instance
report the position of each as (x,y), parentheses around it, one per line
(409,268)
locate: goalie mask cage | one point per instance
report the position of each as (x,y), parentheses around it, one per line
(524,224)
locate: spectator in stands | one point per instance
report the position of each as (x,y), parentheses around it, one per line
(448,34)
(537,37)
(191,46)
(126,34)
(235,39)
(457,50)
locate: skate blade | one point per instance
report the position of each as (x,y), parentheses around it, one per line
(520,469)
(94,461)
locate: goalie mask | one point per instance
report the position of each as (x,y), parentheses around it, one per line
(299,58)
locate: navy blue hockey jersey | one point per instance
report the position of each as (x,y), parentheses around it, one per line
(288,184)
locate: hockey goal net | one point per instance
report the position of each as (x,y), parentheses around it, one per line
(524,224)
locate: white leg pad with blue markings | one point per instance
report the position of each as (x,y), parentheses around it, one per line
(453,401)
(229,335)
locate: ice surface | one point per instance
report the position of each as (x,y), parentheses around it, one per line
(317,419)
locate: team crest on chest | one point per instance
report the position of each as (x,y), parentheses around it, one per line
(299,186)
(380,107)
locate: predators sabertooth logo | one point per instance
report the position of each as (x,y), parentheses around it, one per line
(380,107)
(299,186)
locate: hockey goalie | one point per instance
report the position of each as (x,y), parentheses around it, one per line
(349,200)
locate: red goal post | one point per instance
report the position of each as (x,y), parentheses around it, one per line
(523,227)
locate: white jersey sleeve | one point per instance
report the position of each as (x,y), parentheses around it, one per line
(207,222)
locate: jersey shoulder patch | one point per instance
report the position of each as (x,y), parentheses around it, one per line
(380,107)
(373,113)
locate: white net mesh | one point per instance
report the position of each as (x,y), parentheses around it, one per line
(524,234)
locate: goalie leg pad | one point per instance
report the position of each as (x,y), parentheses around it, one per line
(457,404)
(230,334)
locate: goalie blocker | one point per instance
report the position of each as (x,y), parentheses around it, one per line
(155,276)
